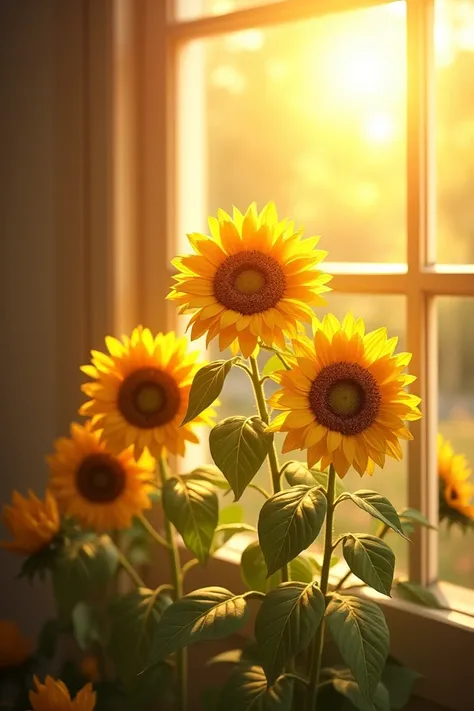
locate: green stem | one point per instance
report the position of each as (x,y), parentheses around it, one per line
(260,490)
(272,454)
(318,641)
(253,595)
(182,658)
(153,532)
(128,567)
(278,353)
(187,566)
(284,363)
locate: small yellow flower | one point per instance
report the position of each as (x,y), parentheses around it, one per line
(253,278)
(32,523)
(90,668)
(53,695)
(97,488)
(140,392)
(14,648)
(345,400)
(454,472)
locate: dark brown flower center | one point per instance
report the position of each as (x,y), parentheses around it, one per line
(249,282)
(100,478)
(345,398)
(149,398)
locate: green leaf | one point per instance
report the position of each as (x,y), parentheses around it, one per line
(300,570)
(350,689)
(418,594)
(254,570)
(84,566)
(322,479)
(413,516)
(287,620)
(273,363)
(317,566)
(206,387)
(298,473)
(134,621)
(231,514)
(239,446)
(360,632)
(192,506)
(85,625)
(48,639)
(232,656)
(377,506)
(206,614)
(224,533)
(289,522)
(153,689)
(371,559)
(399,681)
(43,561)
(247,690)
(209,473)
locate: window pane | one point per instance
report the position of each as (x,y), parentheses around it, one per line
(454,46)
(192,9)
(315,124)
(237,399)
(456,424)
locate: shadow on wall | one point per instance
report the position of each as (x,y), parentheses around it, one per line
(29,387)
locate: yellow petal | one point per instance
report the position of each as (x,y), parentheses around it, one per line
(228,318)
(334,440)
(349,447)
(315,434)
(293,440)
(299,418)
(278,422)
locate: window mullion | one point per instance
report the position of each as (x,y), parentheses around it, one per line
(268,15)
(156,161)
(421,324)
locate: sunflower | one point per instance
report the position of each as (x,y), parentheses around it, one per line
(53,695)
(456,492)
(33,523)
(254,278)
(344,399)
(100,490)
(140,393)
(14,648)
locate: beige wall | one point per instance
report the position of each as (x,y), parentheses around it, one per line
(42,346)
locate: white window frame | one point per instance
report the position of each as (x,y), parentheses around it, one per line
(146,185)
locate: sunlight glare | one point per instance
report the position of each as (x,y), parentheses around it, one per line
(380,128)
(362,73)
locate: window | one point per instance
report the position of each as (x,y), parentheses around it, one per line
(355,116)
(339,129)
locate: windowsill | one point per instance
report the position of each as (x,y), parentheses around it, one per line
(436,643)
(449,595)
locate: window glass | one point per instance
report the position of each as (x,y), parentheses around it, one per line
(316,124)
(456,424)
(454,74)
